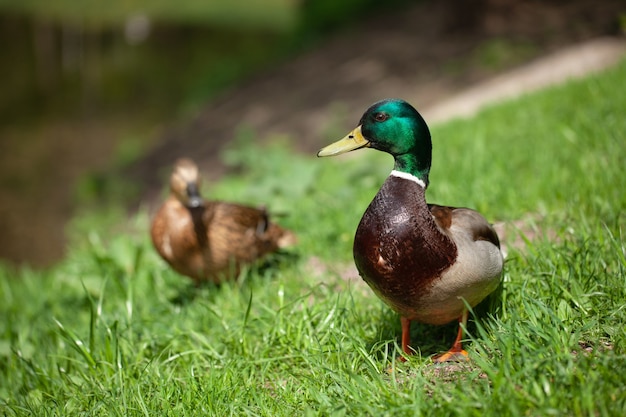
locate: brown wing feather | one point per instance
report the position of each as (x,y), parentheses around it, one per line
(240,234)
(467,218)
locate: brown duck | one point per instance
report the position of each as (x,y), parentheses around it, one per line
(427,262)
(211,240)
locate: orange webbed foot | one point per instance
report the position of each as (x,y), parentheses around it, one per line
(456,352)
(452,355)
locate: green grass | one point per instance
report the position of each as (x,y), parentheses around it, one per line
(112,331)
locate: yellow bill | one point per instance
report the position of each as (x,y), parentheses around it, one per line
(354,140)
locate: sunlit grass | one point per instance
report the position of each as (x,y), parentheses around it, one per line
(112,331)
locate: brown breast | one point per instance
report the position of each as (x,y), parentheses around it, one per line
(398,248)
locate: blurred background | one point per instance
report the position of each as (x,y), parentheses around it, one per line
(97,99)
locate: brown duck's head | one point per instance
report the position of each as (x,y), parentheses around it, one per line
(185,183)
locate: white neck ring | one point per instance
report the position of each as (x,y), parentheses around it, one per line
(407,176)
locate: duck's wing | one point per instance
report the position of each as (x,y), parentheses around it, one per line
(469,220)
(239,217)
(475,226)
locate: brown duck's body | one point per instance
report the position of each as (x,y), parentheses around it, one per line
(425,261)
(213,240)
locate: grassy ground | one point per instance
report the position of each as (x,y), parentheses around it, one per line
(112,331)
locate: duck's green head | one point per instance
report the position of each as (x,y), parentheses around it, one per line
(395,127)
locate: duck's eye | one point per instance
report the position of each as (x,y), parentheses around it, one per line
(381,117)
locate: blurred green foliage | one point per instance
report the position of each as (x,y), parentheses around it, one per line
(320,16)
(267,14)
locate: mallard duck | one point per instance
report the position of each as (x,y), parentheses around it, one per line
(427,262)
(210,240)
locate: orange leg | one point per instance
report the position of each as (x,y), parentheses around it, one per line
(406,337)
(456,352)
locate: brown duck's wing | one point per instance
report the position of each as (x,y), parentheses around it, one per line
(247,224)
(470,220)
(238,216)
